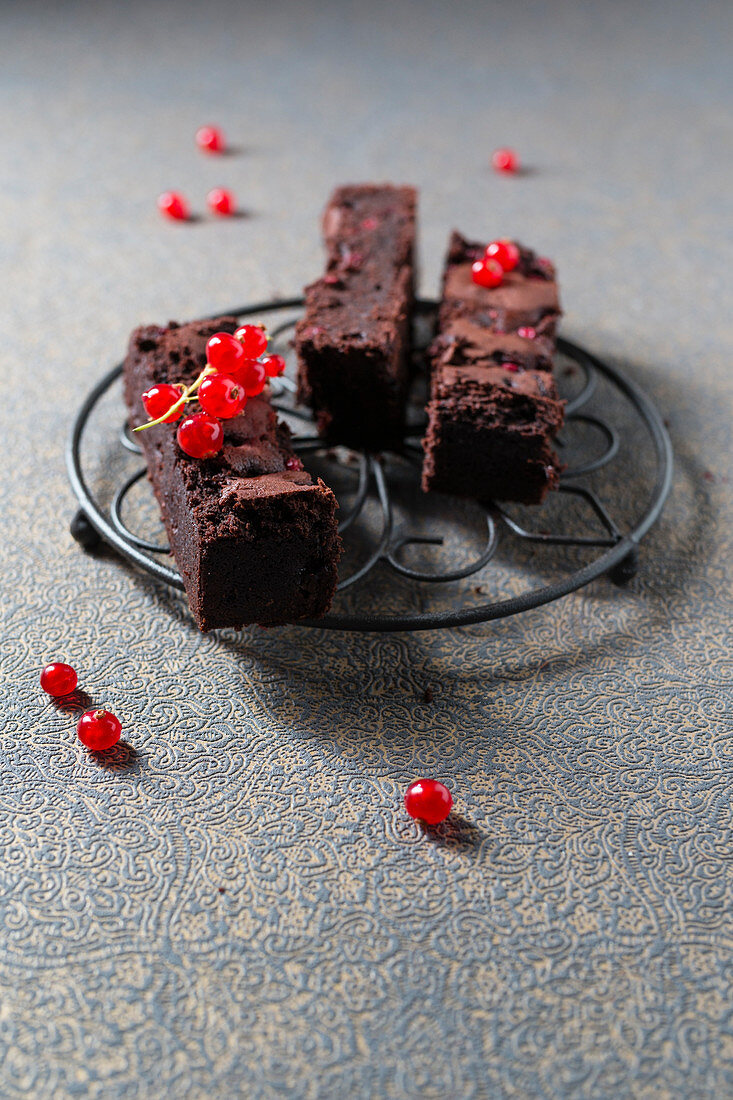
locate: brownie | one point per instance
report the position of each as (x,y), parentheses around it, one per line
(494,406)
(527,296)
(353,342)
(489,432)
(462,341)
(253,534)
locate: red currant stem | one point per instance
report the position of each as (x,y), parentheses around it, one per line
(185,396)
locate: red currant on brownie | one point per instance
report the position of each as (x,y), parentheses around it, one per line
(159,399)
(174,206)
(252,375)
(428,801)
(210,139)
(200,435)
(253,339)
(505,253)
(220,201)
(99,729)
(224,353)
(58,679)
(487,272)
(222,396)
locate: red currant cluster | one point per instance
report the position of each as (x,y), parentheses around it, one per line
(172,204)
(500,256)
(97,729)
(236,369)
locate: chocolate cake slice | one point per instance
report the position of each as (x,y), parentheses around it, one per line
(253,534)
(489,433)
(527,298)
(464,342)
(494,406)
(353,342)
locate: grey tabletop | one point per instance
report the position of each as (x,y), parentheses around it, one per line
(237,904)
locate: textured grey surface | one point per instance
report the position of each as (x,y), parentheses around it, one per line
(569,934)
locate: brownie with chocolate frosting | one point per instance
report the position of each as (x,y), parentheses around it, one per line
(463,341)
(253,534)
(527,297)
(353,342)
(494,406)
(489,433)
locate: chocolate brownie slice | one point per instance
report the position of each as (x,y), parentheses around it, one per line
(489,432)
(463,342)
(353,342)
(253,535)
(494,407)
(527,297)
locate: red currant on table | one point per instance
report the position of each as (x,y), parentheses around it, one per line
(173,205)
(514,368)
(252,376)
(210,139)
(505,160)
(222,396)
(159,398)
(58,679)
(99,729)
(274,365)
(527,332)
(253,339)
(487,273)
(505,253)
(200,435)
(224,353)
(428,800)
(220,201)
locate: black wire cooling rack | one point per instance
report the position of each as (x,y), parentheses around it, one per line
(373,485)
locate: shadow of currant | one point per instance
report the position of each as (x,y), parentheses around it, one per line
(76,702)
(456,831)
(120,757)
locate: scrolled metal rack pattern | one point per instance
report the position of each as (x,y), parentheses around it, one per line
(618,559)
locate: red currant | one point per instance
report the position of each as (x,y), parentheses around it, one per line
(252,376)
(293,463)
(173,205)
(200,435)
(159,398)
(220,201)
(505,160)
(274,365)
(505,253)
(224,353)
(428,800)
(222,396)
(527,332)
(253,339)
(99,729)
(210,139)
(58,679)
(513,367)
(487,273)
